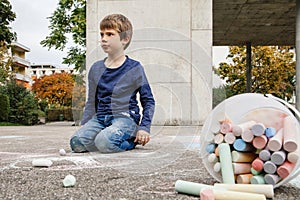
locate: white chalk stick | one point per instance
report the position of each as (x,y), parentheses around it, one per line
(241,168)
(258,129)
(212,158)
(217,167)
(233,195)
(275,143)
(293,157)
(290,134)
(229,138)
(264,189)
(42,162)
(240,128)
(69,181)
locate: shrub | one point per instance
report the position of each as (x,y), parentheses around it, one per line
(4,105)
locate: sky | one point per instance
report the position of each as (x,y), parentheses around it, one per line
(31,25)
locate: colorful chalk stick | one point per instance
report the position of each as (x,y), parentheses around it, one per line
(233,195)
(254,172)
(243,178)
(266,189)
(270,167)
(275,143)
(226,127)
(247,136)
(258,179)
(285,169)
(265,155)
(226,163)
(217,167)
(260,142)
(212,158)
(293,157)
(241,168)
(229,138)
(210,148)
(290,134)
(191,188)
(278,157)
(217,151)
(270,132)
(219,138)
(240,145)
(258,129)
(272,179)
(207,194)
(258,164)
(242,156)
(240,128)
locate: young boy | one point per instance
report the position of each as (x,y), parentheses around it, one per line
(111,120)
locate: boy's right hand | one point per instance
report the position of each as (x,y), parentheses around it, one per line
(142,137)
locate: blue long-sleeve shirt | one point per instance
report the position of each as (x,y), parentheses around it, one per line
(114,91)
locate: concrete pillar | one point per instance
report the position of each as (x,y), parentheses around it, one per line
(173,41)
(298,55)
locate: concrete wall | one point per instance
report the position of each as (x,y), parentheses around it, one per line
(173,41)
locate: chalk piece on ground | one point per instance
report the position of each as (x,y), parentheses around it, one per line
(191,188)
(42,162)
(207,194)
(69,181)
(62,152)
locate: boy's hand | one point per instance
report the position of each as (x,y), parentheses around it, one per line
(142,137)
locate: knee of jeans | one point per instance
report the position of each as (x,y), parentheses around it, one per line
(76,145)
(108,144)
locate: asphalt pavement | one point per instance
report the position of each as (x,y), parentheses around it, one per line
(147,172)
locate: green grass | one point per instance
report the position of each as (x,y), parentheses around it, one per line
(9,124)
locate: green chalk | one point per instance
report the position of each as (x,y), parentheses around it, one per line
(226,163)
(191,188)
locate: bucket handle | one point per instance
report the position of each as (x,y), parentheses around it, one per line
(296,114)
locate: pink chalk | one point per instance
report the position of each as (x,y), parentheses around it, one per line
(207,194)
(290,134)
(285,169)
(260,142)
(258,164)
(275,143)
(241,168)
(229,138)
(247,136)
(226,127)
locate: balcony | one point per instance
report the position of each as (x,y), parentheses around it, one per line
(20,61)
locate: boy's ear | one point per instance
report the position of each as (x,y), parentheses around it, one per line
(125,40)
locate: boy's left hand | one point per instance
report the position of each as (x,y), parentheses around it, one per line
(142,137)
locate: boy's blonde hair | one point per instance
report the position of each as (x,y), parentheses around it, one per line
(120,23)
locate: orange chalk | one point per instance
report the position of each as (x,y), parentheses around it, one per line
(260,142)
(244,178)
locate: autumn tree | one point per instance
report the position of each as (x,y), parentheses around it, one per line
(56,89)
(273,70)
(69,18)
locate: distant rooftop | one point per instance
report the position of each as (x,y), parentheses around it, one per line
(20,47)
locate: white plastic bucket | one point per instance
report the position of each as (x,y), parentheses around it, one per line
(242,108)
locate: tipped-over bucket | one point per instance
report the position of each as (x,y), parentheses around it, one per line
(255,126)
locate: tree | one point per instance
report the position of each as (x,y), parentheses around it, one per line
(69,18)
(56,89)
(6,17)
(273,70)
(5,63)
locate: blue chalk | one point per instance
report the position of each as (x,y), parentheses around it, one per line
(270,132)
(241,145)
(210,148)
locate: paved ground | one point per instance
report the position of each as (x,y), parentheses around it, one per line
(148,172)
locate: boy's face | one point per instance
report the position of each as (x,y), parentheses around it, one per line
(111,42)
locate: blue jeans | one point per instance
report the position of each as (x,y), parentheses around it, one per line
(107,134)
